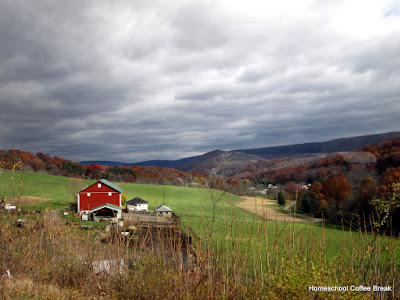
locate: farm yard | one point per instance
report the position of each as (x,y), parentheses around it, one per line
(233,243)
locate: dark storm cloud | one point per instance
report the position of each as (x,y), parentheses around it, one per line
(138,80)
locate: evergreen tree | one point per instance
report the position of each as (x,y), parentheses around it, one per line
(281,198)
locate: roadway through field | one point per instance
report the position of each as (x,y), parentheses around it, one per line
(262,207)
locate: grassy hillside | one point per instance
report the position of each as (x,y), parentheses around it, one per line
(194,205)
(34,184)
(183,200)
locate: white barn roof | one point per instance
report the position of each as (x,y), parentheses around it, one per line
(106,205)
(162,208)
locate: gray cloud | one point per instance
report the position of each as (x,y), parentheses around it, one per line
(138,80)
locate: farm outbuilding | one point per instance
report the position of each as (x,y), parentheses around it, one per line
(137,204)
(105,212)
(100,193)
(163,210)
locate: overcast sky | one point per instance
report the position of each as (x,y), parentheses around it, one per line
(139,80)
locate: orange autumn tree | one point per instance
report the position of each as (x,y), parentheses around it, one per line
(316,191)
(390,177)
(337,188)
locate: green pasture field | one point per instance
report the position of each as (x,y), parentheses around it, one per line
(195,207)
(183,200)
(34,184)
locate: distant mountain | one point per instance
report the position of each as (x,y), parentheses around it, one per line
(157,163)
(219,162)
(239,159)
(104,163)
(166,163)
(338,145)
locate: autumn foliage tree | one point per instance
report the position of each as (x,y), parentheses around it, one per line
(291,189)
(36,164)
(390,177)
(337,188)
(93,171)
(316,191)
(59,166)
(27,157)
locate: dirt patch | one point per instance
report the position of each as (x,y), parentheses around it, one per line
(20,288)
(26,200)
(262,208)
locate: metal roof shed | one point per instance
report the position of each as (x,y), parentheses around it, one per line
(162,208)
(106,211)
(164,211)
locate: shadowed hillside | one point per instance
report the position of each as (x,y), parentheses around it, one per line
(240,158)
(220,162)
(338,145)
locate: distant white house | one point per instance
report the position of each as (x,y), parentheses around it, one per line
(10,207)
(137,204)
(261,192)
(254,191)
(163,210)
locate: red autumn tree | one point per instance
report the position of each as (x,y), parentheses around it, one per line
(291,189)
(93,171)
(316,191)
(36,164)
(337,188)
(27,157)
(367,184)
(391,176)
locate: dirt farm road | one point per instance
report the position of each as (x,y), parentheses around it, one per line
(26,200)
(262,207)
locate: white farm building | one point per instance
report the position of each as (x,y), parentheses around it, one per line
(163,210)
(137,204)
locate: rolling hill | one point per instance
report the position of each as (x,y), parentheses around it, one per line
(238,159)
(337,145)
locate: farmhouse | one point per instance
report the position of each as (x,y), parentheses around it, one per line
(101,199)
(163,210)
(137,204)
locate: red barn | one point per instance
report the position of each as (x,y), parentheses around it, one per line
(99,194)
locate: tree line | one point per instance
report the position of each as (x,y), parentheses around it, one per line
(53,165)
